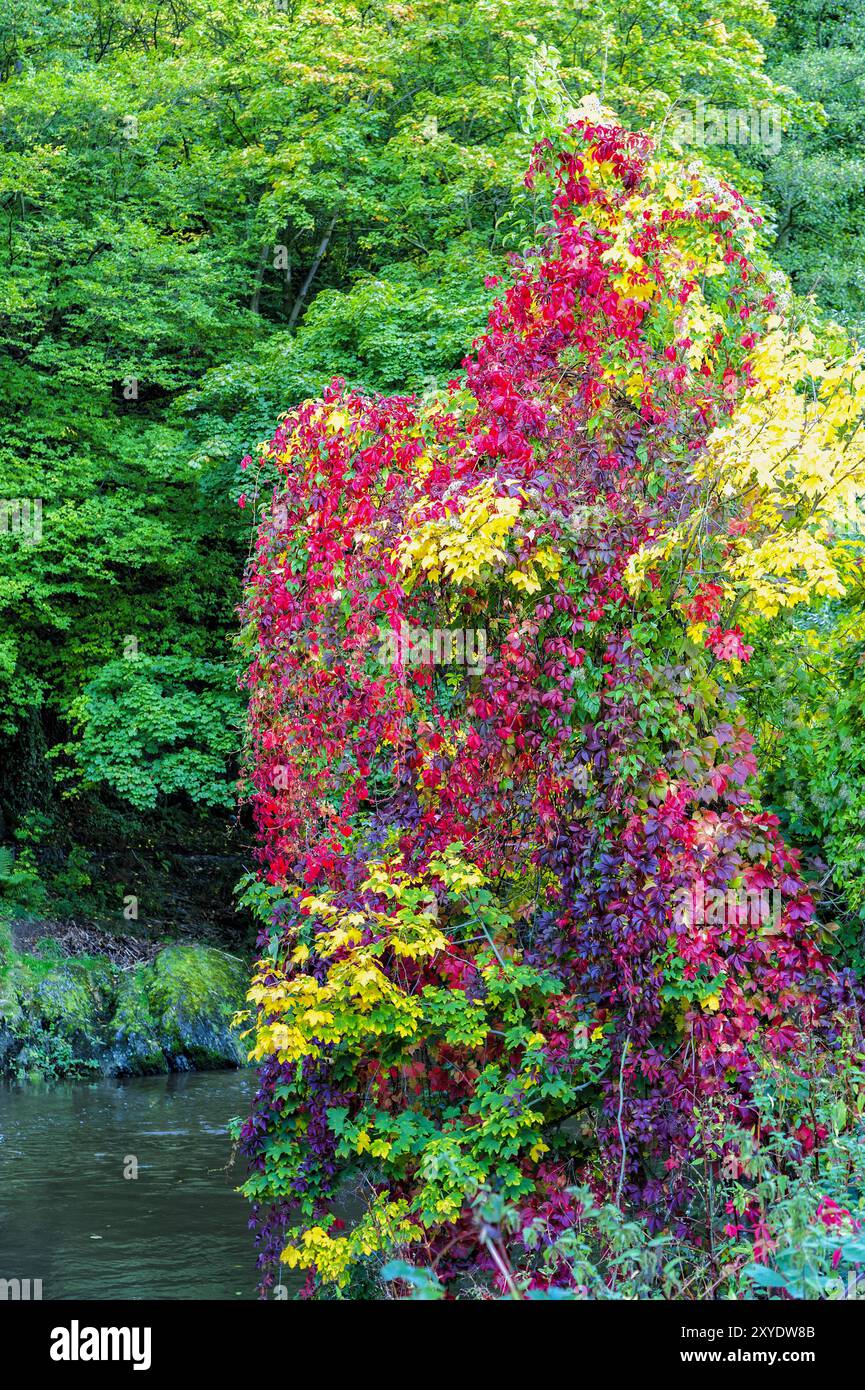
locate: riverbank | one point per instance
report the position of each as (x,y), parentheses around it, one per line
(120,1008)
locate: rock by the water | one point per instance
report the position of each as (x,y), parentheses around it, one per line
(87,1015)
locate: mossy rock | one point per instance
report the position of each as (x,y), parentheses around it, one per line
(182,1004)
(54,1015)
(80,1015)
(77,995)
(136,1045)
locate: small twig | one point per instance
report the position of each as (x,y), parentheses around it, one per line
(619,1120)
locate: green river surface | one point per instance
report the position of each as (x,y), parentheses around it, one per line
(69,1217)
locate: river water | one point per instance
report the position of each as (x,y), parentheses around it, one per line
(72,1215)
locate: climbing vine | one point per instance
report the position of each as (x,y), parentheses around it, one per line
(524,923)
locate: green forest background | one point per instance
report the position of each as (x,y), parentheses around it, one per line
(207,211)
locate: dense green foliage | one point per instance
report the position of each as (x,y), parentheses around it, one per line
(815,185)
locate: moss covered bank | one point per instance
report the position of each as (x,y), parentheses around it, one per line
(86,1015)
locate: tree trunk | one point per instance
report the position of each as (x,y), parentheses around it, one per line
(313,271)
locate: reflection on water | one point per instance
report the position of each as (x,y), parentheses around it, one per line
(69,1217)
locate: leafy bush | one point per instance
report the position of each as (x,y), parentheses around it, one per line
(151,727)
(805,697)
